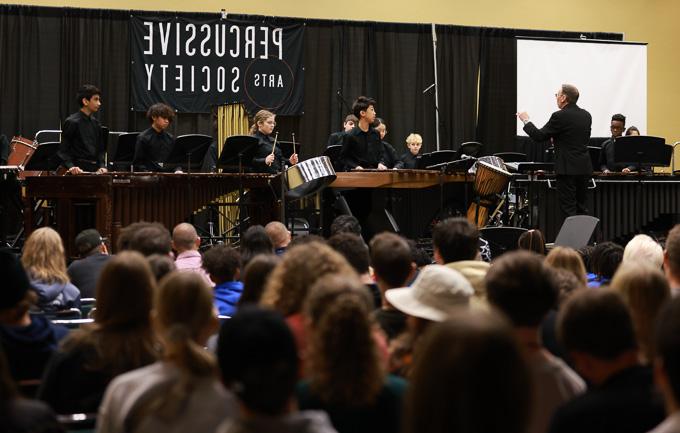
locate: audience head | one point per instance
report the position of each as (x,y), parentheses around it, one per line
(644,289)
(89,242)
(586,254)
(353,249)
(185,319)
(419,255)
(258,359)
(671,261)
(185,238)
(618,125)
(305,239)
(532,240)
(338,309)
(350,122)
(152,238)
(43,256)
(566,282)
(643,248)
(468,376)
(455,239)
(278,234)
(161,265)
(16,295)
(522,287)
(345,224)
(569,260)
(595,327)
(299,269)
(632,131)
(126,234)
(667,342)
(255,241)
(436,294)
(222,263)
(414,142)
(606,259)
(391,259)
(255,276)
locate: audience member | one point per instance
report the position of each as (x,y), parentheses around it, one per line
(469,377)
(161,265)
(643,248)
(93,256)
(185,242)
(255,277)
(597,331)
(521,286)
(290,281)
(337,311)
(305,239)
(605,260)
(21,415)
(419,255)
(119,340)
(568,259)
(279,235)
(127,232)
(345,224)
(181,392)
(223,264)
(456,245)
(644,290)
(671,259)
(355,251)
(28,340)
(436,294)
(45,263)
(151,238)
(393,266)
(255,241)
(667,365)
(532,240)
(259,363)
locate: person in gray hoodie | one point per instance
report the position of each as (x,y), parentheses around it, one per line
(44,260)
(259,363)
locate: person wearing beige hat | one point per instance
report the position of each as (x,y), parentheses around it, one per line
(435,295)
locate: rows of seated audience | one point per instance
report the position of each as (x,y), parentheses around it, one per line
(306,334)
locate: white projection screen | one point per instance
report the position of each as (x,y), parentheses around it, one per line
(611,78)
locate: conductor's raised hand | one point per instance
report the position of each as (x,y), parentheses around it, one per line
(523,116)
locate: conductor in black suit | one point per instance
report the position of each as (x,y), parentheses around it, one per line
(569,128)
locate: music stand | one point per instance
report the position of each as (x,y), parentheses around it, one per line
(333,152)
(44,158)
(642,150)
(594,153)
(429,160)
(125,151)
(188,151)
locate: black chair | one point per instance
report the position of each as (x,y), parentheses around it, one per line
(501,239)
(512,156)
(471,148)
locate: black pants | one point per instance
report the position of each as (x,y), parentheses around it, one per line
(571,192)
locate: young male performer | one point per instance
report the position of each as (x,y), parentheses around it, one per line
(82,143)
(154,144)
(362,147)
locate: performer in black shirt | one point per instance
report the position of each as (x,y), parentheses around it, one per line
(265,160)
(336,138)
(154,144)
(607,164)
(362,147)
(414,142)
(389,153)
(82,144)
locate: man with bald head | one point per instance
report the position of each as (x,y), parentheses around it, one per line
(279,235)
(185,241)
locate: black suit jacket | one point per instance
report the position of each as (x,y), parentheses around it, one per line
(570,130)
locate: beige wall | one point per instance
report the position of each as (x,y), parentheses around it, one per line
(651,21)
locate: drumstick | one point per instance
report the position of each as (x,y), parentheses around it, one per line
(293,142)
(276,137)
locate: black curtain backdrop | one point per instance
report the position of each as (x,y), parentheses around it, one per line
(48,52)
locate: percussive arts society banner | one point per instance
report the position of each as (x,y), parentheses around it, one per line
(192,65)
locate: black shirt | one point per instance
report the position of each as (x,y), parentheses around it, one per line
(335,139)
(409,160)
(607,157)
(264,149)
(361,148)
(82,143)
(390,155)
(84,273)
(152,150)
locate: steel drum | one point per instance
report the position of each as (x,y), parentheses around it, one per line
(309,176)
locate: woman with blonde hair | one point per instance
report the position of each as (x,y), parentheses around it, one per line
(45,262)
(344,374)
(119,340)
(268,158)
(568,259)
(644,289)
(181,392)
